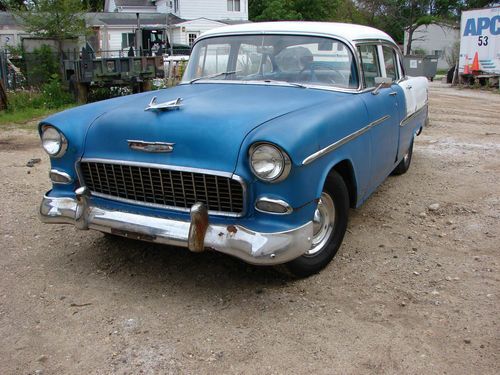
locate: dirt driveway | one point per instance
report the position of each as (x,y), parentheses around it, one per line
(412,290)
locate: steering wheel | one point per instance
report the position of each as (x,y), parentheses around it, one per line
(340,77)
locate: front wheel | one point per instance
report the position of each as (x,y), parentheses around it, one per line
(329,227)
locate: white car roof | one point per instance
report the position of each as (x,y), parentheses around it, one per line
(347,31)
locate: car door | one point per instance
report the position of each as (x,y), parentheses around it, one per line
(383,112)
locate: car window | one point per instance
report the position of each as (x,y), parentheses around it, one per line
(213,59)
(390,62)
(252,60)
(369,63)
(290,58)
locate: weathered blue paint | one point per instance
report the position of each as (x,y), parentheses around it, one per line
(218,123)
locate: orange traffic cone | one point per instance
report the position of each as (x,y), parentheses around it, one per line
(466,66)
(475,63)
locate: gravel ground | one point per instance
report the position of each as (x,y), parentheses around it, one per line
(414,288)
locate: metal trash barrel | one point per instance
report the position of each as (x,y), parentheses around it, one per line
(425,66)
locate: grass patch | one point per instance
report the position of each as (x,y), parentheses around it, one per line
(27,115)
(26,106)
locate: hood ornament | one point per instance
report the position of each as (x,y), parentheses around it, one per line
(155,147)
(165,106)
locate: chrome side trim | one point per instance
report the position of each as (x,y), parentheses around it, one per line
(343,141)
(413,115)
(166,167)
(280,202)
(253,247)
(62,174)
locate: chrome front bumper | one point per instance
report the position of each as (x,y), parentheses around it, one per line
(197,234)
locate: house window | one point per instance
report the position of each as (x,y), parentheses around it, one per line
(233,5)
(128,40)
(438,53)
(191,38)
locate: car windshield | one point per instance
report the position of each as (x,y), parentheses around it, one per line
(293,59)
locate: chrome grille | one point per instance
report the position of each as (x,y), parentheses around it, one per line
(163,187)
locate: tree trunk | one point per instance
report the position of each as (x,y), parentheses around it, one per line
(3,97)
(61,60)
(411,30)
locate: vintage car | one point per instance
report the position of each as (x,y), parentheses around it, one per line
(275,131)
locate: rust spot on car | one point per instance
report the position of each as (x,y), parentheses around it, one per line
(232,229)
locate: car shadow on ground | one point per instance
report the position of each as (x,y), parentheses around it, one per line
(123,260)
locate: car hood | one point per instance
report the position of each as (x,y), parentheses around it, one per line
(207,130)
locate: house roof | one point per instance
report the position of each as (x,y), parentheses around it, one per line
(8,19)
(130,19)
(346,31)
(233,22)
(134,3)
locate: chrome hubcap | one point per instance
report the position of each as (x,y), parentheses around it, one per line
(323,224)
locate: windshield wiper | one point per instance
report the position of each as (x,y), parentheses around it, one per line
(215,75)
(286,83)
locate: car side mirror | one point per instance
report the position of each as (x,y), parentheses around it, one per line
(382,83)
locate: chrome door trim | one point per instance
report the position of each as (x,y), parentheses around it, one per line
(344,140)
(407,119)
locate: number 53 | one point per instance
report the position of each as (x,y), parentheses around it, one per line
(482,41)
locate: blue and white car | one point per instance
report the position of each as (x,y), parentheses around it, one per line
(275,131)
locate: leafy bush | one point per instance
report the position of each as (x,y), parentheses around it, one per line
(41,65)
(22,100)
(102,93)
(54,95)
(29,104)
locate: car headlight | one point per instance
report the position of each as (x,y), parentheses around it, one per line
(53,141)
(268,162)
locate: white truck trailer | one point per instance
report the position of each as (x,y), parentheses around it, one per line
(480,41)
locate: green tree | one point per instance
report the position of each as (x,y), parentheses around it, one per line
(93,5)
(307,10)
(53,19)
(274,10)
(11,4)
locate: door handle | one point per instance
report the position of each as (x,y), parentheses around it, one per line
(394,93)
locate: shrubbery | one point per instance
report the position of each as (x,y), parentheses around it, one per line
(50,96)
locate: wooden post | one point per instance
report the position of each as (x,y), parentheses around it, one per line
(82,92)
(3,97)
(146,85)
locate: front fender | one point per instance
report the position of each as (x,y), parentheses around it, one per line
(303,133)
(74,124)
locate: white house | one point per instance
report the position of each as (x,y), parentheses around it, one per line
(184,21)
(437,40)
(11,31)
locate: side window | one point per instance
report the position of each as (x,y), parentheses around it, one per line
(369,63)
(390,62)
